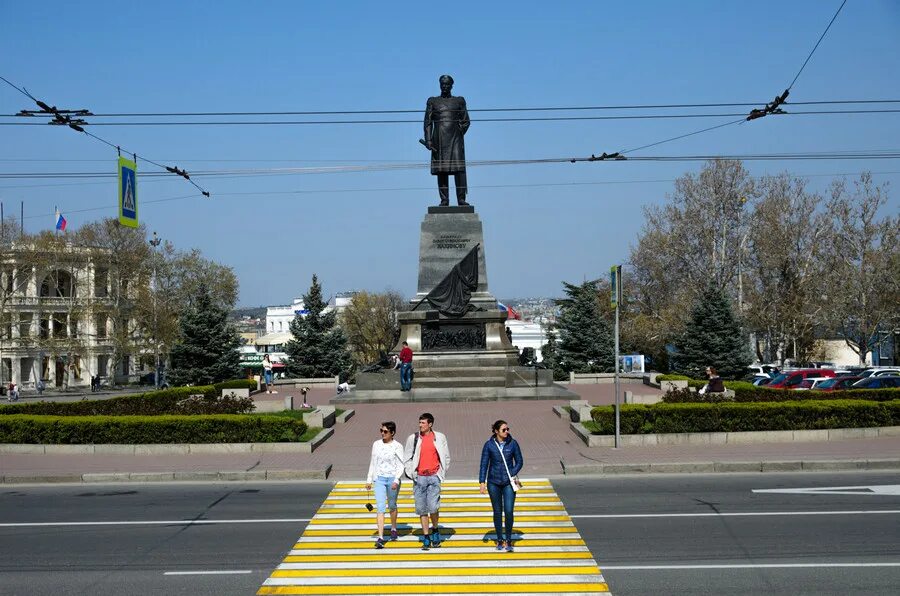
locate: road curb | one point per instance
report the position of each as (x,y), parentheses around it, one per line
(179,476)
(167,448)
(710,467)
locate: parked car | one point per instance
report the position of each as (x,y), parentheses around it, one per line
(759,380)
(837,383)
(812,383)
(879,382)
(874,371)
(792,379)
(763,370)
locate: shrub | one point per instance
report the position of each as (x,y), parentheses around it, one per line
(225,404)
(237,384)
(748,392)
(690,395)
(152,403)
(672,378)
(732,417)
(85,430)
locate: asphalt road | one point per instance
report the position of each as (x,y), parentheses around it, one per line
(686,534)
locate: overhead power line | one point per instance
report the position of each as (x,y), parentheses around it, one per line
(83,123)
(251,172)
(73,120)
(471,110)
(774,106)
(422,188)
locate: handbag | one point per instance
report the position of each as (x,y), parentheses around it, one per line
(513,480)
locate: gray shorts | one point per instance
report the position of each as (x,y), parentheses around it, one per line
(427,493)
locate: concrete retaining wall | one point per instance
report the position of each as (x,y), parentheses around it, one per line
(734,438)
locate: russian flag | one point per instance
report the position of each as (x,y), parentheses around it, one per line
(60,221)
(510,311)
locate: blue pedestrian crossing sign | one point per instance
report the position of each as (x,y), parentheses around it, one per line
(128,211)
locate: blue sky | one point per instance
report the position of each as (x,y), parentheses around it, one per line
(359,230)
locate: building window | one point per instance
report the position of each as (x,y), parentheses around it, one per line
(25,320)
(7,323)
(58,284)
(73,327)
(59,325)
(101,283)
(101,327)
(44,331)
(102,365)
(76,366)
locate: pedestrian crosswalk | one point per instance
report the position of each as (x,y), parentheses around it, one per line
(336,554)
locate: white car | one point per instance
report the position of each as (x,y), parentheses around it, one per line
(877,372)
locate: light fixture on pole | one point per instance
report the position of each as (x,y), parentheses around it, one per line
(155,242)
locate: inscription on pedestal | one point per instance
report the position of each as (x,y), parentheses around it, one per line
(450,242)
(436,337)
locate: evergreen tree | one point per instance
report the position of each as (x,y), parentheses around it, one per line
(208,349)
(550,355)
(713,337)
(585,338)
(319,346)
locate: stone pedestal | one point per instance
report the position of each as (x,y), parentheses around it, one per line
(456,358)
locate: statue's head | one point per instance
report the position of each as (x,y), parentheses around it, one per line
(446,82)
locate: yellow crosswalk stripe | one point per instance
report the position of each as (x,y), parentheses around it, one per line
(336,554)
(426,571)
(431,556)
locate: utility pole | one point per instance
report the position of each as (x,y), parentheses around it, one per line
(155,242)
(615,286)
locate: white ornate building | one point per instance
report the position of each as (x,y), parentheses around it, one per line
(56,319)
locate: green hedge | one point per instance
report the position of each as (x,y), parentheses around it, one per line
(152,403)
(86,430)
(672,378)
(733,417)
(748,392)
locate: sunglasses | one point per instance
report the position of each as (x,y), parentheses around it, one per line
(385,431)
(504,430)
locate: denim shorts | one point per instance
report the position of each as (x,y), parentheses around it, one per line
(385,498)
(268,376)
(427,493)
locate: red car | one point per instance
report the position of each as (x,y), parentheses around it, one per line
(793,378)
(837,384)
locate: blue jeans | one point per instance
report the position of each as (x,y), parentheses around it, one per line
(406,376)
(503,499)
(385,497)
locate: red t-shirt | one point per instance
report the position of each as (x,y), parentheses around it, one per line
(429,462)
(405,354)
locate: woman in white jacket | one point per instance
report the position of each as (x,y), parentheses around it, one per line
(385,470)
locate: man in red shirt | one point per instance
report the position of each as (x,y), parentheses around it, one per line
(406,356)
(427,461)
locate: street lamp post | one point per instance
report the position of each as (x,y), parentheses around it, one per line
(155,242)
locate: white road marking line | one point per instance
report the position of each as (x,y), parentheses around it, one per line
(495,562)
(877,490)
(481,524)
(490,534)
(222,572)
(743,566)
(174,522)
(593,578)
(735,514)
(450,549)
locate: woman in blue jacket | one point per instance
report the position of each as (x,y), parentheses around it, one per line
(501,460)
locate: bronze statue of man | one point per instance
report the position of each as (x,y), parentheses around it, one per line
(446,122)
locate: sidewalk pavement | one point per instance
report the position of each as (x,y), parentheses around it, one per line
(549,447)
